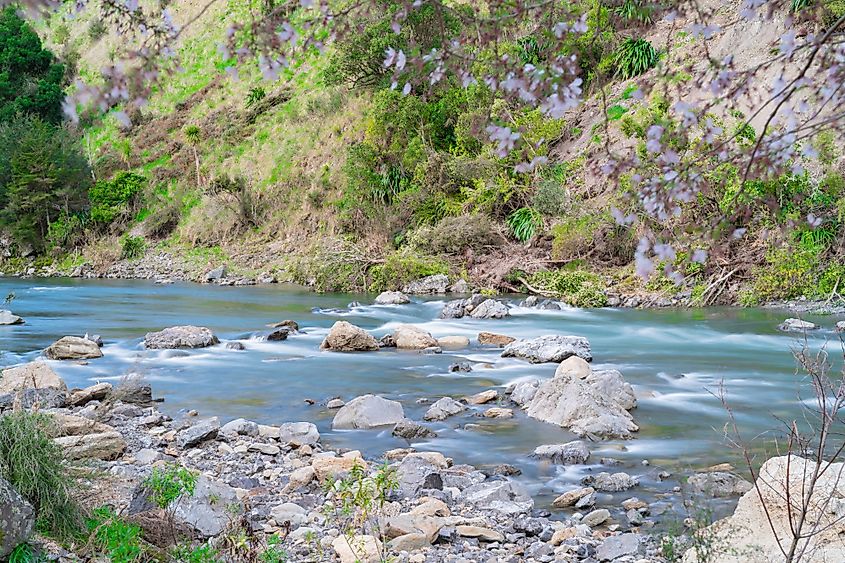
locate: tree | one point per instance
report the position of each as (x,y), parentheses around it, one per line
(30,77)
(43,177)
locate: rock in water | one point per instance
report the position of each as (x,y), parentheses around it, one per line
(410,430)
(571,453)
(392,298)
(549,348)
(409,337)
(34,375)
(17,519)
(719,484)
(346,337)
(73,348)
(747,535)
(7,318)
(430,284)
(278,335)
(443,409)
(796,325)
(216,274)
(493,339)
(368,411)
(490,309)
(611,482)
(186,336)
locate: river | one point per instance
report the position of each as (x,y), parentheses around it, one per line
(675,359)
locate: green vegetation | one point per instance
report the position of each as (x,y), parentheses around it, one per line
(132,246)
(403,267)
(25,553)
(168,485)
(575,287)
(524,223)
(634,57)
(110,199)
(34,465)
(114,538)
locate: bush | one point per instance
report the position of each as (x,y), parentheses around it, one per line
(576,287)
(403,267)
(33,464)
(109,199)
(524,223)
(453,235)
(169,484)
(116,539)
(132,247)
(634,57)
(336,265)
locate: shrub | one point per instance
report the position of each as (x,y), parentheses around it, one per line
(550,199)
(403,267)
(576,287)
(199,554)
(635,10)
(25,553)
(132,247)
(453,235)
(524,223)
(116,539)
(635,56)
(254,96)
(169,484)
(33,464)
(109,199)
(336,265)
(96,30)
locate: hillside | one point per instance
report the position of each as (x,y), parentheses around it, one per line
(317,179)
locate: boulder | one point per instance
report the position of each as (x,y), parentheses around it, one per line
(443,409)
(586,410)
(105,446)
(453,342)
(7,318)
(575,366)
(490,309)
(524,391)
(235,345)
(596,517)
(133,391)
(611,483)
(346,337)
(186,336)
(498,412)
(493,339)
(211,509)
(616,547)
(411,523)
(292,326)
(428,285)
(410,430)
(357,549)
(34,375)
(483,397)
(331,467)
(368,411)
(762,518)
(419,472)
(611,385)
(97,392)
(409,337)
(289,512)
(73,348)
(216,274)
(453,309)
(719,484)
(298,434)
(198,433)
(796,325)
(392,298)
(503,496)
(549,348)
(17,519)
(570,498)
(278,335)
(571,453)
(240,427)
(46,398)
(484,534)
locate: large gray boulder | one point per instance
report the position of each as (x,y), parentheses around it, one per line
(185,336)
(720,484)
(611,384)
(73,348)
(7,318)
(368,411)
(427,285)
(211,509)
(198,433)
(549,348)
(571,453)
(34,375)
(104,446)
(796,325)
(17,519)
(443,409)
(299,434)
(490,309)
(346,337)
(392,298)
(507,497)
(410,337)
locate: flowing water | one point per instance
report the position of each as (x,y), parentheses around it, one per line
(675,359)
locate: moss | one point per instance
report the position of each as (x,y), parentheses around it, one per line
(576,287)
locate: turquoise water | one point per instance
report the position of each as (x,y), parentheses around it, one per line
(675,359)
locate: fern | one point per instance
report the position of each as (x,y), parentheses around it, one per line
(636,10)
(634,57)
(524,222)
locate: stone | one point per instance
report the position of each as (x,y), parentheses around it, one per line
(17,519)
(410,337)
(298,434)
(147,456)
(431,507)
(289,512)
(368,411)
(34,375)
(410,430)
(719,484)
(634,503)
(216,274)
(335,404)
(403,524)
(211,509)
(278,335)
(503,496)
(493,339)
(498,412)
(484,534)
(409,542)
(483,397)
(615,547)
(417,472)
(392,298)
(569,498)
(460,286)
(571,453)
(524,391)
(549,348)
(198,433)
(574,366)
(751,533)
(796,325)
(610,384)
(490,309)
(7,318)
(357,549)
(574,404)
(428,285)
(453,342)
(266,449)
(97,392)
(301,477)
(611,483)
(443,409)
(460,367)
(46,398)
(840,326)
(185,336)
(240,427)
(562,535)
(331,467)
(596,517)
(135,392)
(346,337)
(105,446)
